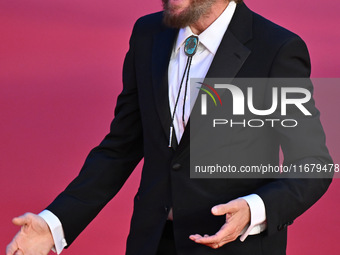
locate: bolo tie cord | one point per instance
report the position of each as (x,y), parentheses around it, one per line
(190,52)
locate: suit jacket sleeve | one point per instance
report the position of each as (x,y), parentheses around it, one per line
(107,166)
(286,199)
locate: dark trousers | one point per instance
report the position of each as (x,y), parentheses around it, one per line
(167,243)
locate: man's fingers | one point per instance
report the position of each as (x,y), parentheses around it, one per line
(195,237)
(11,248)
(214,241)
(206,239)
(211,241)
(203,239)
(19,252)
(225,235)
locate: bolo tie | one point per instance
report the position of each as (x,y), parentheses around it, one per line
(190,49)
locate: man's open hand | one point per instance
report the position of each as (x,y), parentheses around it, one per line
(237,214)
(34,238)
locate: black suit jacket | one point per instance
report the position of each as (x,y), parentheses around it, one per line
(251,47)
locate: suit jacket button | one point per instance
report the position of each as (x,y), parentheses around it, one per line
(176,166)
(279,227)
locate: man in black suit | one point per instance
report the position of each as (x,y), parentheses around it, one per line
(174,214)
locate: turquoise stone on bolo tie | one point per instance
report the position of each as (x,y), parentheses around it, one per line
(190,47)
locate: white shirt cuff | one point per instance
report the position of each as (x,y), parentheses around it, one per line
(56,229)
(257,216)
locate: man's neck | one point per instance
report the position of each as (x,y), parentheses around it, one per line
(206,20)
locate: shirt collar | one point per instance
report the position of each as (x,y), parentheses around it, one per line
(212,36)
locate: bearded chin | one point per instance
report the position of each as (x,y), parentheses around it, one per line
(188,16)
(183,19)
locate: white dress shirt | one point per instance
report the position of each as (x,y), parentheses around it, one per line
(209,41)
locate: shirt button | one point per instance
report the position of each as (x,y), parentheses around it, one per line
(176,166)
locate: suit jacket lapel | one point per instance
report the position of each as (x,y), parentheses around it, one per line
(232,52)
(161,52)
(229,58)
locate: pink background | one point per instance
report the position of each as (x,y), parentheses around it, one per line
(60,73)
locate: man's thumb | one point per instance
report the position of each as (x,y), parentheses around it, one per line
(22,220)
(221,209)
